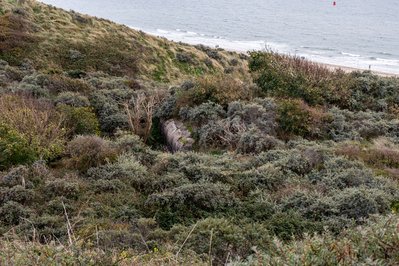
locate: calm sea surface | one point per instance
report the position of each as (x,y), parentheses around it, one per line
(355,33)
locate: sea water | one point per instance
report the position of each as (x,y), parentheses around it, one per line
(354,33)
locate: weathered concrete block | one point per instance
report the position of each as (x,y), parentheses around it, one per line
(178,138)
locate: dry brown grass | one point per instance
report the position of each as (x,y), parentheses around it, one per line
(15,37)
(381,154)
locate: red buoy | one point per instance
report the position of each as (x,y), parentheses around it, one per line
(334,3)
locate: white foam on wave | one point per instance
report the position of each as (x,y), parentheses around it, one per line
(159,31)
(194,38)
(317,54)
(349,54)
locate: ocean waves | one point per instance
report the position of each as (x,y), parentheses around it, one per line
(327,55)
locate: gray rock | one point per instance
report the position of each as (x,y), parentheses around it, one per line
(178,138)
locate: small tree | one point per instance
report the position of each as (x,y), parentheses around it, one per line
(141,114)
(37,121)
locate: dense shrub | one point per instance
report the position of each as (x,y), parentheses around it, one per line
(201,114)
(218,89)
(286,76)
(30,90)
(110,186)
(15,148)
(304,161)
(59,187)
(11,213)
(258,205)
(293,118)
(72,99)
(373,243)
(48,227)
(346,125)
(133,144)
(189,202)
(282,75)
(359,204)
(261,113)
(184,58)
(125,168)
(265,177)
(89,151)
(167,108)
(288,225)
(248,127)
(58,84)
(254,141)
(28,177)
(222,239)
(35,121)
(80,120)
(17,194)
(108,105)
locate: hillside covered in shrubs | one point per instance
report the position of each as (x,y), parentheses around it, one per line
(291,163)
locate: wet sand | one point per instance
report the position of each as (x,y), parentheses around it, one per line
(351,69)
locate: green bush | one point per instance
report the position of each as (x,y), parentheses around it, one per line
(59,84)
(66,188)
(17,194)
(285,76)
(201,114)
(220,89)
(293,118)
(358,204)
(228,238)
(127,169)
(31,89)
(189,202)
(35,120)
(29,177)
(108,105)
(347,125)
(89,151)
(15,148)
(80,120)
(289,225)
(72,99)
(253,141)
(49,227)
(11,213)
(374,243)
(267,176)
(111,186)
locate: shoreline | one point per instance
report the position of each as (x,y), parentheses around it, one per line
(217,44)
(352,69)
(330,66)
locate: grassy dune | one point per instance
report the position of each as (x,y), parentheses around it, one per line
(291,163)
(75,42)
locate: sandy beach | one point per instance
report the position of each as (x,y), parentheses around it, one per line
(351,69)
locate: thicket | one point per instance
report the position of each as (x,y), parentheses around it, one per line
(291,76)
(298,165)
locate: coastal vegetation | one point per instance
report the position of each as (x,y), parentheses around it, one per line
(292,163)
